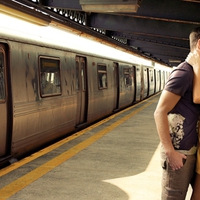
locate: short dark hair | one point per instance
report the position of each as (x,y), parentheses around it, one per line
(194,37)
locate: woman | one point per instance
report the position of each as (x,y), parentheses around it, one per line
(194,60)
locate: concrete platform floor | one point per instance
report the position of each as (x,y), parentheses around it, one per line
(117,159)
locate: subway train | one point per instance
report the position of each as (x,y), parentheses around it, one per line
(54,82)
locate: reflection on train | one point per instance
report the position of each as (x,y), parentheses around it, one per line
(49,87)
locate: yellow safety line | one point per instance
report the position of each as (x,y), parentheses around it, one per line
(32,176)
(46,150)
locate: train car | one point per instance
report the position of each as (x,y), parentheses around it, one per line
(53,85)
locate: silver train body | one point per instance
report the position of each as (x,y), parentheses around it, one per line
(50,89)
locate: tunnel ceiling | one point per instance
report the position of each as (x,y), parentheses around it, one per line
(156,29)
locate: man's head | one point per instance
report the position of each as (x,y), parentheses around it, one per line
(195,39)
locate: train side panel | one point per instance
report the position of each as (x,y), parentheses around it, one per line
(127,85)
(49,91)
(40,117)
(101,88)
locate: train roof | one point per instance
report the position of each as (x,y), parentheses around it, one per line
(17,30)
(157,30)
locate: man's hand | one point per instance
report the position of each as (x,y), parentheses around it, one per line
(175,160)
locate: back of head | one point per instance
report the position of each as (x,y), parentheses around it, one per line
(194,37)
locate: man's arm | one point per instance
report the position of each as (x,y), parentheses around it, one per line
(166,103)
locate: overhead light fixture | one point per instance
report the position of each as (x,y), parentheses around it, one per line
(174,61)
(120,6)
(193,1)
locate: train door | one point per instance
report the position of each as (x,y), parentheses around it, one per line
(3,104)
(116,85)
(158,81)
(134,83)
(145,83)
(81,88)
(151,77)
(139,80)
(162,80)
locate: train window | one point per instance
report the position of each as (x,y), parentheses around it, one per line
(128,74)
(50,77)
(2,78)
(77,76)
(83,75)
(80,75)
(102,76)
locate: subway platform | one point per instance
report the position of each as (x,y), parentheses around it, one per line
(114,159)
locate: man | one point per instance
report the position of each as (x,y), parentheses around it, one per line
(176,118)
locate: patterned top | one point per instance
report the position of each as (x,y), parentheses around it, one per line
(184,116)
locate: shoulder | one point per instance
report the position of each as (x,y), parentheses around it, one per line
(183,70)
(181,79)
(184,66)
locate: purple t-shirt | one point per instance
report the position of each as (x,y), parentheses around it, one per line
(184,116)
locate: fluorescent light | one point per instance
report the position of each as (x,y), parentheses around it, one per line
(110,6)
(174,61)
(22,15)
(56,35)
(194,1)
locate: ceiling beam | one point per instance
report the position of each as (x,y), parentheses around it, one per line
(140,25)
(64,4)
